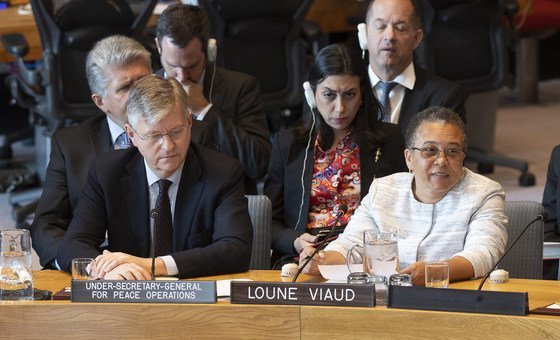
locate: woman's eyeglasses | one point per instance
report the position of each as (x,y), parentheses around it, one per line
(431,152)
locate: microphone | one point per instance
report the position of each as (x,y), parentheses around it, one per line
(342,208)
(154,215)
(543,216)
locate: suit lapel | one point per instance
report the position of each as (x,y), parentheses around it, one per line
(134,186)
(413,99)
(188,196)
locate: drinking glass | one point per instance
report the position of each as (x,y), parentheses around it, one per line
(379,253)
(16,275)
(81,268)
(437,274)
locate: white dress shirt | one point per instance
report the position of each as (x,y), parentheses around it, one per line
(115,129)
(175,178)
(404,80)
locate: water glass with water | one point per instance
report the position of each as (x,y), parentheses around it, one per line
(380,253)
(437,274)
(16,275)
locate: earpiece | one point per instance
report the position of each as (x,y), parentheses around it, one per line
(212,50)
(362,36)
(309,95)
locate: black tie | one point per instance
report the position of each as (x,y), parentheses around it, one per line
(163,222)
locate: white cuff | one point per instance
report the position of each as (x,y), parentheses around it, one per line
(170,265)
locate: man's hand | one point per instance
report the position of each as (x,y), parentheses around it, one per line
(417,271)
(304,241)
(127,271)
(108,261)
(197,101)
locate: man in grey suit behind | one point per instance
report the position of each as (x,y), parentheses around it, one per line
(392,34)
(227,102)
(165,197)
(112,66)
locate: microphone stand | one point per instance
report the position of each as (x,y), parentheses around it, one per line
(341,211)
(153,214)
(541,217)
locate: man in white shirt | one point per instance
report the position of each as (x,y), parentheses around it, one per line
(393,33)
(167,198)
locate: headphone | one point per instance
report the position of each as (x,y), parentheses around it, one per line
(362,37)
(212,50)
(309,95)
(310,98)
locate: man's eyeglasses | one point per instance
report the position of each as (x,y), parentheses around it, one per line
(175,135)
(431,152)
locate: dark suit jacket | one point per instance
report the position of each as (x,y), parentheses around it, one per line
(72,150)
(551,197)
(430,90)
(212,231)
(237,119)
(283,184)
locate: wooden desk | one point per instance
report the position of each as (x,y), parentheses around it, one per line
(53,319)
(12,22)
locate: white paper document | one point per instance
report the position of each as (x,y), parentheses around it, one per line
(223,287)
(338,273)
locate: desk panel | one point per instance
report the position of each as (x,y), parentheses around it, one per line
(150,321)
(56,319)
(381,322)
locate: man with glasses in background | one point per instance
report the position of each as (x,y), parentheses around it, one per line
(166,198)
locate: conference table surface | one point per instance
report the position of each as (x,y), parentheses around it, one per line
(60,319)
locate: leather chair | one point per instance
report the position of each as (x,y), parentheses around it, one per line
(56,92)
(525,259)
(260,210)
(467,42)
(264,39)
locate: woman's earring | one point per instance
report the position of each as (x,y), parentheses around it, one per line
(410,171)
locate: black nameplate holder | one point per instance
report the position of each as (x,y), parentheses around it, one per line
(144,291)
(283,293)
(458,300)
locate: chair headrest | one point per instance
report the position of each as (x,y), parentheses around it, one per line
(80,13)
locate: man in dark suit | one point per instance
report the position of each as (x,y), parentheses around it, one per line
(393,33)
(112,66)
(228,102)
(551,203)
(196,224)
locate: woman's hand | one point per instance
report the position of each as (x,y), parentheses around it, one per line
(417,271)
(311,268)
(322,257)
(304,241)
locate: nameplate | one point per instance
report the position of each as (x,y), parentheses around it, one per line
(144,291)
(278,293)
(458,300)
